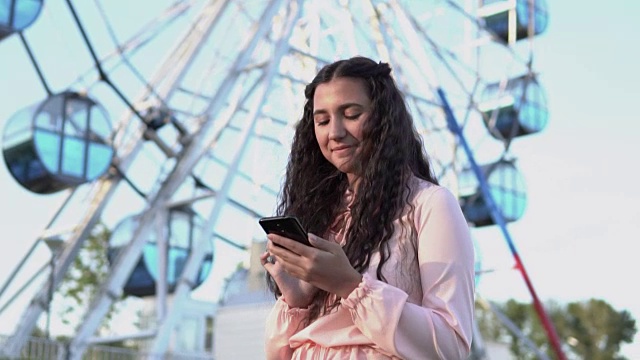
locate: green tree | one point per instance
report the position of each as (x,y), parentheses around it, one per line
(596,329)
(82,282)
(590,330)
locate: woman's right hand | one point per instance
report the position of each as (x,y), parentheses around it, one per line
(297,293)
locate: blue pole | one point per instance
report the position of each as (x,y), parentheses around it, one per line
(496,215)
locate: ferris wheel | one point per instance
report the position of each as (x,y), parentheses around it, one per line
(172,121)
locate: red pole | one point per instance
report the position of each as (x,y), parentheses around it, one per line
(544,318)
(499,220)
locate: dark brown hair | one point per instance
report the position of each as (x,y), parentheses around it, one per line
(391,152)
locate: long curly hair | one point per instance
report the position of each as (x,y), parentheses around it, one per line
(391,152)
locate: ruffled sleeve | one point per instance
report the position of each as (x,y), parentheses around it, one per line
(375,307)
(282,323)
(440,326)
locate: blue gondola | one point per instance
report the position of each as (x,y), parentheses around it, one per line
(17,15)
(507,189)
(58,143)
(515,108)
(184,228)
(496,15)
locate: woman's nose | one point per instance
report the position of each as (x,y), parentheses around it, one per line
(336,129)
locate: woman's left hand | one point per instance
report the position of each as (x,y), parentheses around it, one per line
(325,265)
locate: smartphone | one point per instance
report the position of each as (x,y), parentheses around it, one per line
(287,226)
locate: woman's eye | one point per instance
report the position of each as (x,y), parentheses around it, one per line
(322,122)
(352,116)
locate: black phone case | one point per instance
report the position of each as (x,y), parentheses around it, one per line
(287,226)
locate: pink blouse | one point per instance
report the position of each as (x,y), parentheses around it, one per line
(424,310)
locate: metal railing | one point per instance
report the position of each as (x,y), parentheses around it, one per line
(51,349)
(40,348)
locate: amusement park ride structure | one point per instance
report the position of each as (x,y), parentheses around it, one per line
(213,89)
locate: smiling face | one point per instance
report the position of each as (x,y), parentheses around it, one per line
(341,107)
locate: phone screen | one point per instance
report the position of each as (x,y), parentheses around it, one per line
(287,226)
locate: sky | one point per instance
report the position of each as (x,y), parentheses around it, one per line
(577,236)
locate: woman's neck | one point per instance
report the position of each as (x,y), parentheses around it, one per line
(354,181)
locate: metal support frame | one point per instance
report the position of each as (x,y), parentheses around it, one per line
(162,222)
(32,313)
(190,271)
(504,319)
(192,152)
(43,236)
(169,74)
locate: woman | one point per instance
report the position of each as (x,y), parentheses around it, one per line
(390,274)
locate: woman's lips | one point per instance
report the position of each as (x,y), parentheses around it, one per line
(342,149)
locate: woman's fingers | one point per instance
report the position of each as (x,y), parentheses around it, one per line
(324,265)
(326,245)
(289,244)
(293,261)
(264,258)
(297,259)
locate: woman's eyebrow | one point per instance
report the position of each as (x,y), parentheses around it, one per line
(340,108)
(319,111)
(348,105)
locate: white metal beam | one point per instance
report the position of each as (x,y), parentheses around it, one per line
(193,151)
(192,266)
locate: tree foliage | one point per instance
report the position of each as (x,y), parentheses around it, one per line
(82,281)
(590,330)
(597,328)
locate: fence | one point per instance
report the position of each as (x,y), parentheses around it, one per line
(50,349)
